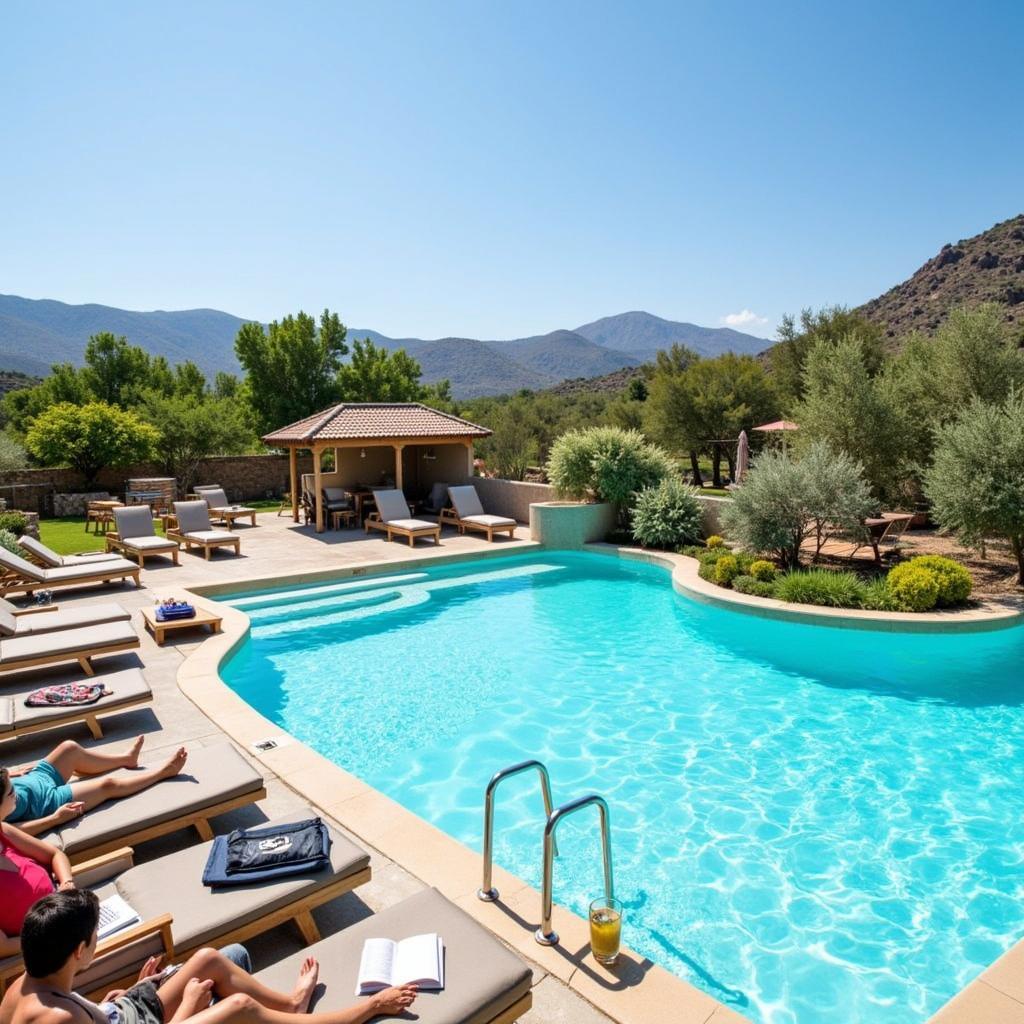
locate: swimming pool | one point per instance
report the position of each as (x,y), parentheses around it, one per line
(808,823)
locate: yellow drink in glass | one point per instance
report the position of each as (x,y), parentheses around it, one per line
(605,929)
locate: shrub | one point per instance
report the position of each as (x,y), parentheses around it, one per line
(820,586)
(667,515)
(13,522)
(785,501)
(954,580)
(606,464)
(693,550)
(10,542)
(714,541)
(877,596)
(12,454)
(763,571)
(752,586)
(727,568)
(913,587)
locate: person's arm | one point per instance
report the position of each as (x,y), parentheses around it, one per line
(66,812)
(44,853)
(10,945)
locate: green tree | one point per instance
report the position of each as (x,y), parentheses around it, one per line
(12,453)
(513,447)
(189,381)
(226,385)
(292,367)
(90,438)
(854,412)
(192,428)
(115,372)
(976,483)
(788,356)
(65,384)
(374,374)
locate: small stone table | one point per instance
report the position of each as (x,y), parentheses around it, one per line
(161,629)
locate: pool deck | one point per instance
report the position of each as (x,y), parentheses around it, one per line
(193,707)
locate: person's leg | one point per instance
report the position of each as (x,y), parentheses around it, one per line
(93,792)
(69,758)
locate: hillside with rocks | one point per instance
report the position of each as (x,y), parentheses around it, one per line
(986,268)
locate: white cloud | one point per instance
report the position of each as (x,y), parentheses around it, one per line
(744,320)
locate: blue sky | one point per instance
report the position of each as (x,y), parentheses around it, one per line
(500,169)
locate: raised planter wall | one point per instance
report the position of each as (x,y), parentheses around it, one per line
(570,524)
(511,498)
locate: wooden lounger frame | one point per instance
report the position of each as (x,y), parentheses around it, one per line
(82,657)
(114,543)
(88,713)
(450,517)
(12,581)
(374,522)
(206,545)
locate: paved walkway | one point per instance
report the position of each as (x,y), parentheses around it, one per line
(276,547)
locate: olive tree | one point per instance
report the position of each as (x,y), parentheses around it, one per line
(976,482)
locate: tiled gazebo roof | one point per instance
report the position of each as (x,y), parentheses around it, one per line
(374,421)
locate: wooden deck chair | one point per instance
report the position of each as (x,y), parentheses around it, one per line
(195,530)
(468,514)
(19,575)
(392,517)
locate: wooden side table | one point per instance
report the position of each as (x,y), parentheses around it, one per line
(161,629)
(345,515)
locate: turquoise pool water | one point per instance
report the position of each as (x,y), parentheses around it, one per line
(810,824)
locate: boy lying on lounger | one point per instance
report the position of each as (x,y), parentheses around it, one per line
(59,789)
(59,939)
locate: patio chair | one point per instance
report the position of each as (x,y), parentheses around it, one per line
(216,779)
(222,510)
(468,514)
(201,916)
(136,535)
(485,983)
(195,530)
(18,575)
(438,500)
(50,618)
(81,645)
(392,517)
(128,689)
(39,554)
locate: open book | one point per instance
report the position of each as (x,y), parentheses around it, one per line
(115,914)
(418,960)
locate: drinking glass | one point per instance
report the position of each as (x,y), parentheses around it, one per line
(605,929)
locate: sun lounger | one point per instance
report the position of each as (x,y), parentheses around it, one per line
(217,779)
(195,530)
(392,517)
(222,510)
(201,917)
(49,618)
(137,537)
(82,645)
(128,690)
(485,983)
(18,575)
(39,554)
(468,514)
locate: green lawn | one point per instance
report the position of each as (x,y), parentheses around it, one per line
(67,536)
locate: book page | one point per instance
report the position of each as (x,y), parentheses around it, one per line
(376,966)
(418,959)
(115,914)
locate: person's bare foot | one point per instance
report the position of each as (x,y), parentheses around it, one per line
(131,759)
(174,764)
(308,975)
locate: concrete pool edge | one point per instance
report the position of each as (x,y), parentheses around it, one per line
(635,991)
(986,617)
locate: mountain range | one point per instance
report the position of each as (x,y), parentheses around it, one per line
(35,333)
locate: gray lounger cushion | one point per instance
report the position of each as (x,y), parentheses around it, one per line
(93,568)
(212,537)
(212,775)
(65,642)
(218,500)
(134,521)
(468,507)
(68,617)
(55,561)
(394,510)
(153,543)
(192,516)
(482,977)
(127,685)
(201,916)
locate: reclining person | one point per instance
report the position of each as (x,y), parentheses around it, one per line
(59,939)
(58,788)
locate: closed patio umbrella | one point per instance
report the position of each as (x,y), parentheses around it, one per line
(742,457)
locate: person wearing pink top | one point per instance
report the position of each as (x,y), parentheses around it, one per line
(29,870)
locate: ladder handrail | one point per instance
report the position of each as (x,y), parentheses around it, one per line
(545,934)
(487,892)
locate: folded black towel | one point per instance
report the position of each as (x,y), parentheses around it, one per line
(299,844)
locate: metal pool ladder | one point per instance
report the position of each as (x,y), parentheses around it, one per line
(545,934)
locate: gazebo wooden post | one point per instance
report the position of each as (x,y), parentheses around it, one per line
(317,451)
(469,459)
(293,472)
(398,464)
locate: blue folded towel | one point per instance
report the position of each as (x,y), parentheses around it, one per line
(169,612)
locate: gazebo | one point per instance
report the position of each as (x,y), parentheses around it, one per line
(378,444)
